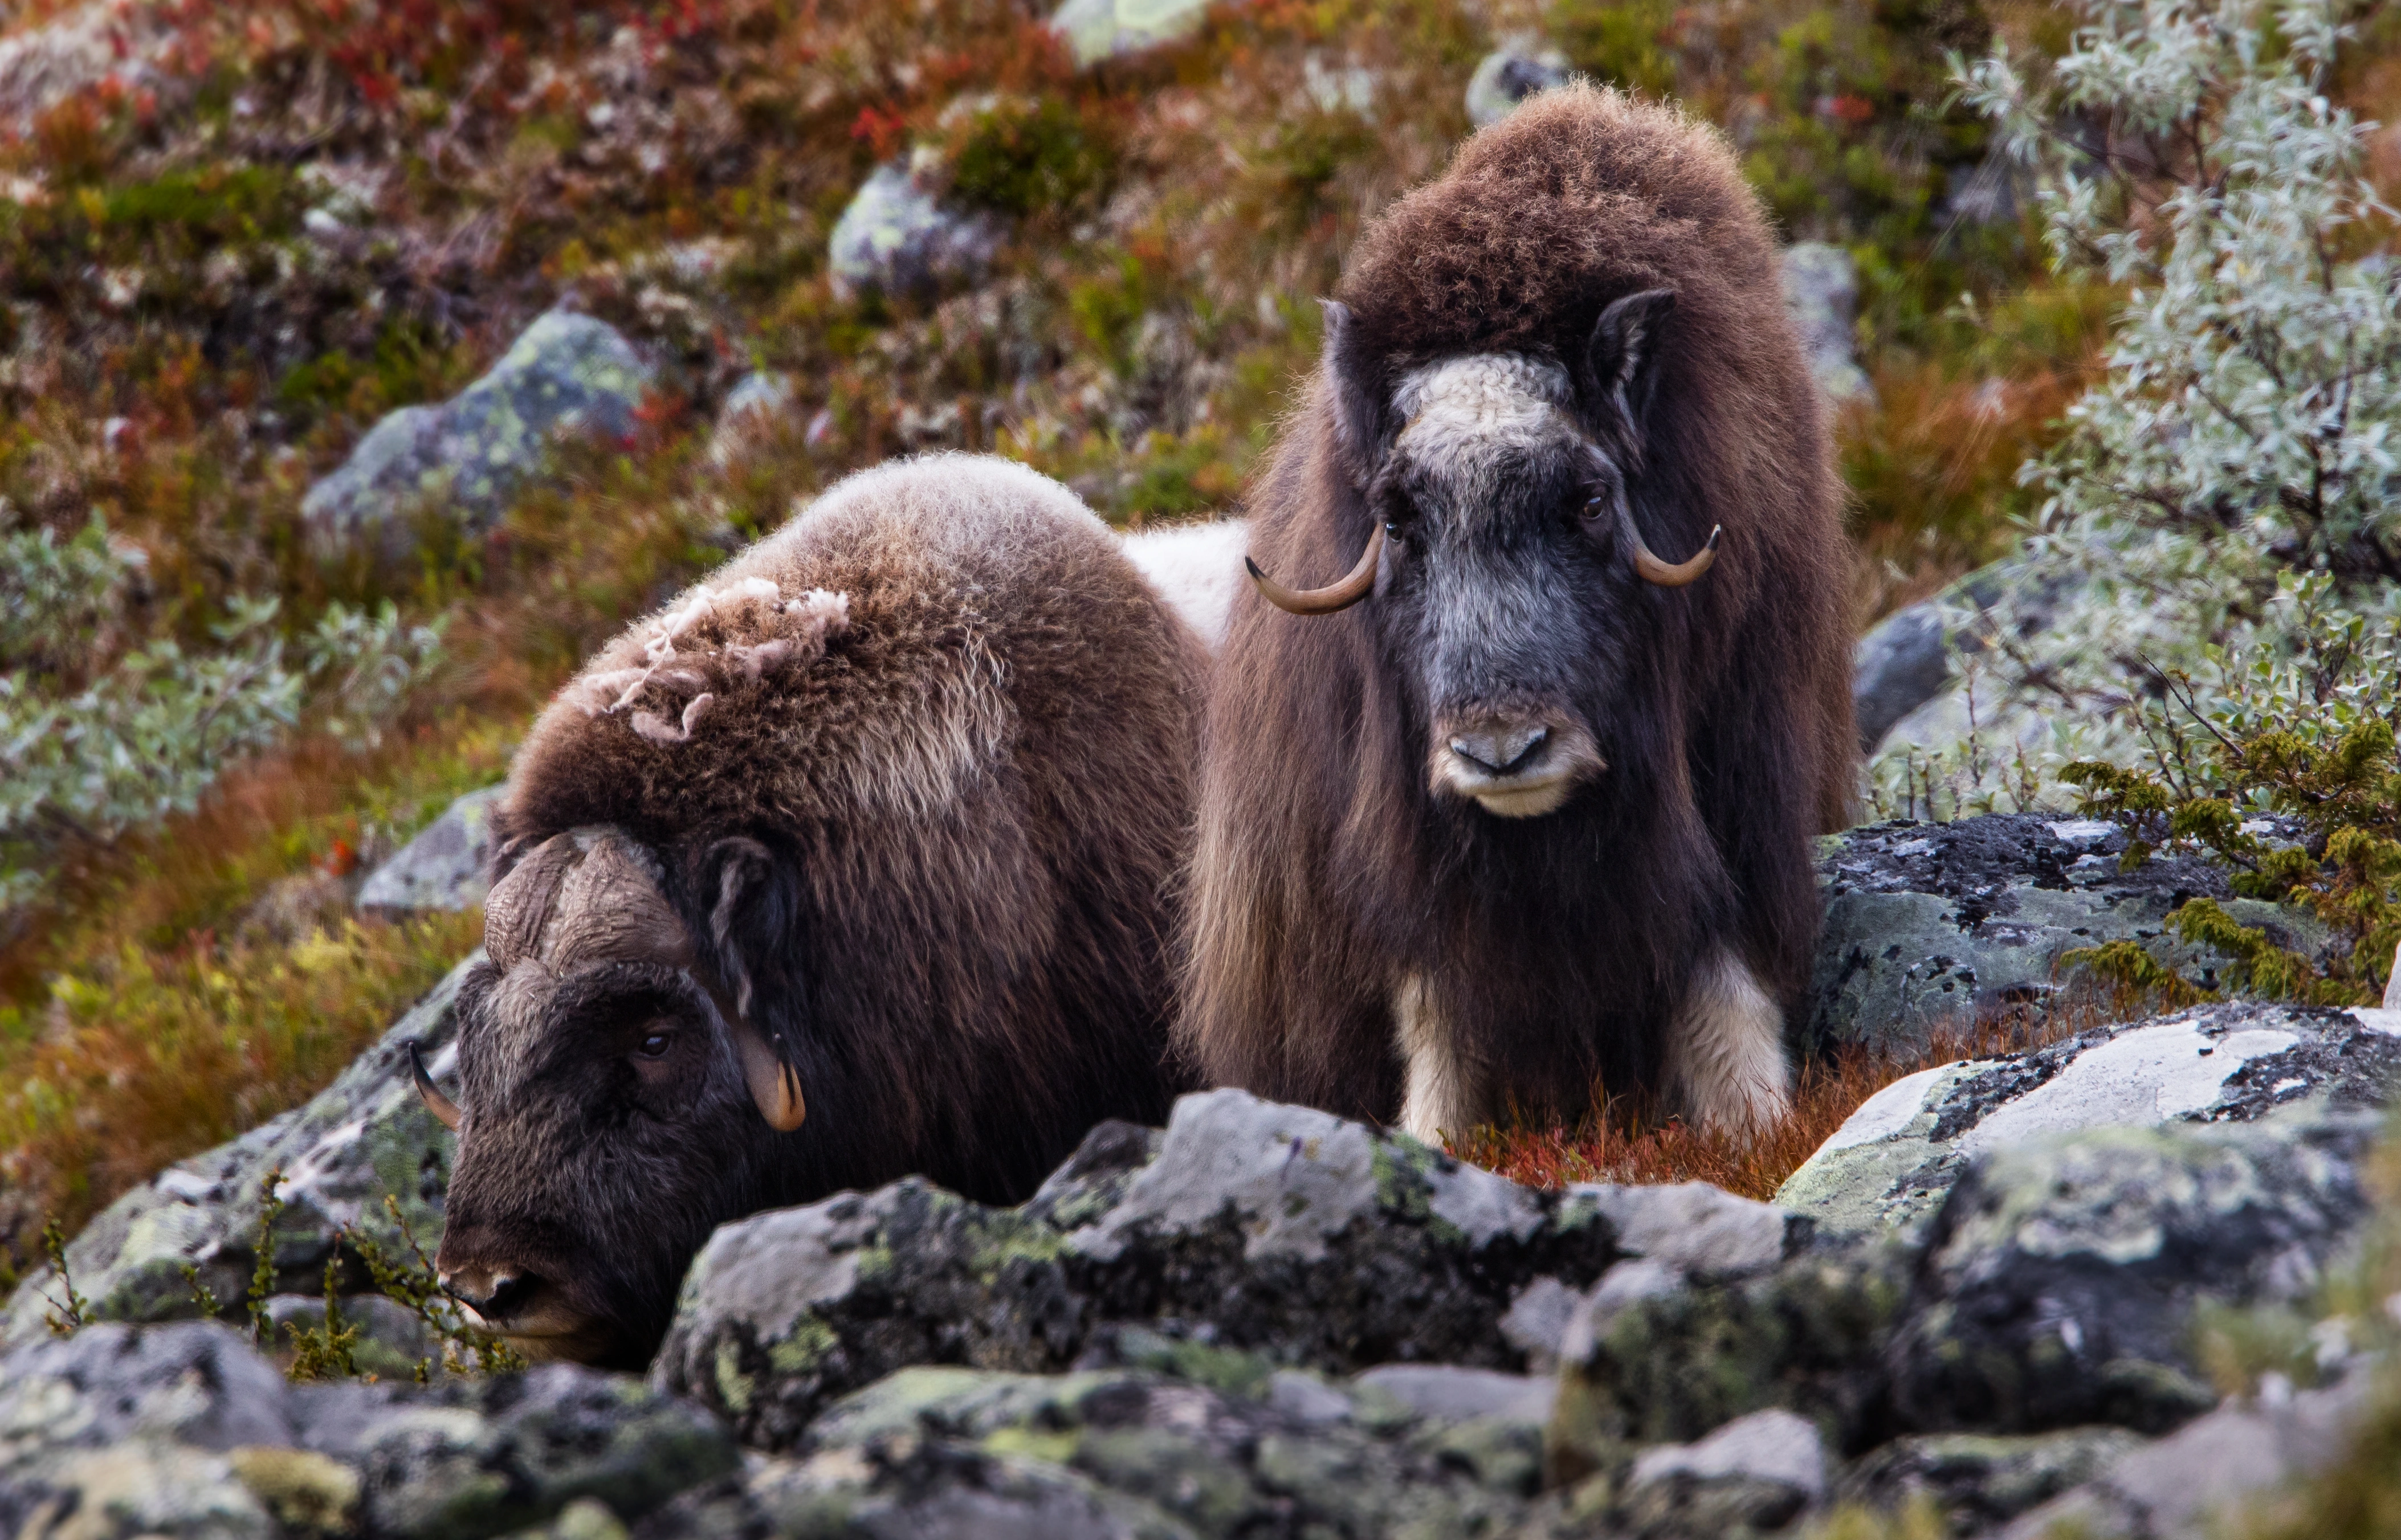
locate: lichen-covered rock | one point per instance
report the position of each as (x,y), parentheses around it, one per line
(1754,1475)
(2059,1280)
(897,238)
(1940,925)
(1104,29)
(1522,65)
(1247,1224)
(365,1137)
(2183,1484)
(1232,1449)
(449,866)
(1821,293)
(183,1430)
(1978,1481)
(1661,1364)
(467,457)
(1893,1162)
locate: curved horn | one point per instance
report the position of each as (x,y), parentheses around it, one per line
(444,1110)
(774,1085)
(1654,570)
(1342,594)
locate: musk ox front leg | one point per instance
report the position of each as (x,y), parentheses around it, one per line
(1442,1093)
(1727,1071)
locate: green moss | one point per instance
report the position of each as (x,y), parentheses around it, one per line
(1024,156)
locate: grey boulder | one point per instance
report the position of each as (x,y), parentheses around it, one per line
(897,238)
(449,866)
(1937,927)
(467,457)
(2060,1283)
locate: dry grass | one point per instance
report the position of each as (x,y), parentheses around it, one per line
(1624,1141)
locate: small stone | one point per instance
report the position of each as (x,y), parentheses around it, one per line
(1522,66)
(1448,1393)
(1755,1474)
(759,402)
(448,866)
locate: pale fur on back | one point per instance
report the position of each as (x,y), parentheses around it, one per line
(1196,568)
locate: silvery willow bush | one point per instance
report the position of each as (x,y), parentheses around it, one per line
(107,725)
(2244,436)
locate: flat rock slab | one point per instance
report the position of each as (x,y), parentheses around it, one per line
(1893,1162)
(365,1137)
(1279,1229)
(1942,926)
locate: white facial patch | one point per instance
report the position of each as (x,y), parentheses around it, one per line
(1464,417)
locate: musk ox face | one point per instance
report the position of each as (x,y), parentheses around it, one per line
(615,1106)
(1507,570)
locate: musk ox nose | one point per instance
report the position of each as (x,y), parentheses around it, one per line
(1501,749)
(493,1293)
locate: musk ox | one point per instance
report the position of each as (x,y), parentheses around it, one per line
(1520,808)
(852,862)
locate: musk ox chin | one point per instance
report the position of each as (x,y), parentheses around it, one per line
(1519,809)
(852,862)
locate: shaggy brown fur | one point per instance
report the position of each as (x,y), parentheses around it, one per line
(961,727)
(1554,952)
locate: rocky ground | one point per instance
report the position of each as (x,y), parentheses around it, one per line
(2065,1282)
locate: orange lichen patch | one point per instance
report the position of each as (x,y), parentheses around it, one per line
(1623,1141)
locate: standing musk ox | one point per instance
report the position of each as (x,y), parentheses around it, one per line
(1520,808)
(850,864)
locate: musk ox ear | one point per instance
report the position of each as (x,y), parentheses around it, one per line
(1621,360)
(747,894)
(752,900)
(1351,386)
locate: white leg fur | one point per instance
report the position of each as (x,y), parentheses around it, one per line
(1727,1066)
(1436,1099)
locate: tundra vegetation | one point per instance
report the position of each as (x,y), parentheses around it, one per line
(226,256)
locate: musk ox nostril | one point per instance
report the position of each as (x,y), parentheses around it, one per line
(1500,753)
(493,1296)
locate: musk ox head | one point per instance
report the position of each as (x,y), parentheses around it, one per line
(617,1100)
(1505,561)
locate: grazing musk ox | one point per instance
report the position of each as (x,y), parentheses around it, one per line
(851,862)
(1519,809)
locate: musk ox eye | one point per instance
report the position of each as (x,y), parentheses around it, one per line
(655,1044)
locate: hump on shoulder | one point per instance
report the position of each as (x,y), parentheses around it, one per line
(979,517)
